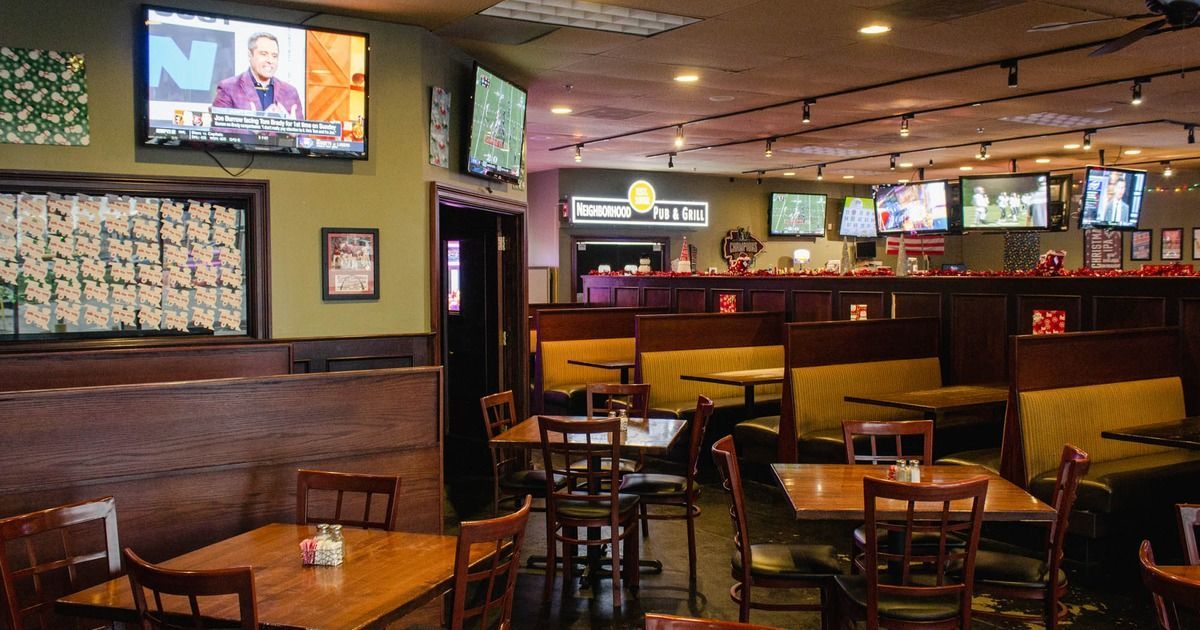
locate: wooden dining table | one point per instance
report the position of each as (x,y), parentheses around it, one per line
(835,492)
(1184,433)
(385,575)
(746,379)
(624,365)
(937,402)
(649,435)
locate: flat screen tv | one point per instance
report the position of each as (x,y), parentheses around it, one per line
(858,217)
(911,208)
(1112,198)
(865,250)
(1018,201)
(497,137)
(796,214)
(216,82)
(1060,202)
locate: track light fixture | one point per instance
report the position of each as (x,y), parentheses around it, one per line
(671,160)
(904,125)
(807,118)
(769,151)
(1191,129)
(1087,140)
(892,161)
(820,172)
(578,153)
(983,150)
(1012,72)
(1167,170)
(1136,90)
(679,137)
(1012,165)
(759,178)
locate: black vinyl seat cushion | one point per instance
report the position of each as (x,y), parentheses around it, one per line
(567,399)
(940,608)
(923,542)
(653,484)
(823,446)
(625,466)
(989,458)
(590,510)
(770,560)
(998,568)
(529,481)
(1126,483)
(757,439)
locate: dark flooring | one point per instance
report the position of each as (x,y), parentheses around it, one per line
(1099,597)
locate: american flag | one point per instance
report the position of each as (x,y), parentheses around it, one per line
(927,244)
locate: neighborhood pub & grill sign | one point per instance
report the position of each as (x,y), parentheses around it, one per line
(640,207)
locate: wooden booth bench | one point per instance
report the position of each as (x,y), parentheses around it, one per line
(1069,388)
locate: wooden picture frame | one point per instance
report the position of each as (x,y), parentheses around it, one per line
(1148,253)
(349,264)
(1170,245)
(1196,243)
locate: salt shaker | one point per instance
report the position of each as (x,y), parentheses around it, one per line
(624,420)
(914,471)
(902,471)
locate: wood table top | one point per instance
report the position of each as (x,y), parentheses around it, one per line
(615,364)
(1183,433)
(385,575)
(739,378)
(1190,572)
(940,400)
(652,435)
(835,492)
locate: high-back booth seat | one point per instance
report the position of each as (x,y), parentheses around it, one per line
(671,396)
(564,385)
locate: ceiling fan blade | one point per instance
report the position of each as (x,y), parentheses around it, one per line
(1059,26)
(1128,38)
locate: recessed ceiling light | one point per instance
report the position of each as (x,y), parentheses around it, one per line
(789,174)
(874,29)
(905,165)
(966,168)
(1042,160)
(724,98)
(1133,151)
(560,110)
(1072,146)
(847,177)
(687,78)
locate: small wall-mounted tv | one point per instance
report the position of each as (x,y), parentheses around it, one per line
(1060,202)
(865,250)
(216,82)
(911,208)
(497,139)
(1017,201)
(1112,198)
(796,214)
(858,217)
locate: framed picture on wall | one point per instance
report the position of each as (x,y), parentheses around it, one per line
(1196,243)
(1171,247)
(349,264)
(1141,244)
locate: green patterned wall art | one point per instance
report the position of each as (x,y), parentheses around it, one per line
(43,97)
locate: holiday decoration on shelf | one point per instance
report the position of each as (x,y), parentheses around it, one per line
(740,244)
(858,312)
(727,303)
(1021,250)
(1051,263)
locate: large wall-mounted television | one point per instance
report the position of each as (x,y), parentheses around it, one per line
(1112,198)
(796,214)
(918,207)
(217,82)
(497,139)
(858,217)
(1018,201)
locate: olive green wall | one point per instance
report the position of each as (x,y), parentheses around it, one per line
(390,191)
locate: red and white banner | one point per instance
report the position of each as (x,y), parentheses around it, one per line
(927,244)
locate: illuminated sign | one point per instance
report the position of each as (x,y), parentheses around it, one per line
(641,206)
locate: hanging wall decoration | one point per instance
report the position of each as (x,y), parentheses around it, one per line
(43,97)
(1021,250)
(740,244)
(439,128)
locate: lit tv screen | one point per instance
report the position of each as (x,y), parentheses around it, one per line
(1112,198)
(212,81)
(918,207)
(497,136)
(858,217)
(1006,202)
(796,214)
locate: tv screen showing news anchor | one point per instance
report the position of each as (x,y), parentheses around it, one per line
(215,80)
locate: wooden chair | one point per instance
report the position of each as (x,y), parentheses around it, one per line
(1189,520)
(1168,591)
(675,490)
(514,476)
(656,621)
(494,582)
(58,548)
(369,485)
(192,585)
(933,596)
(1011,575)
(769,565)
(595,503)
(633,397)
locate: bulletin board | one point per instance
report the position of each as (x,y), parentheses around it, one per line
(87,256)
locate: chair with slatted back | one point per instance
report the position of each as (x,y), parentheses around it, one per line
(513,473)
(656,621)
(768,565)
(1168,591)
(675,490)
(56,552)
(917,587)
(1015,576)
(595,502)
(633,397)
(1189,521)
(485,592)
(167,586)
(370,486)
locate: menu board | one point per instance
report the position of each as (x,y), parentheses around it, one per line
(1102,249)
(115,265)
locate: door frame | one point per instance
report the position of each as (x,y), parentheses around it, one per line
(513,293)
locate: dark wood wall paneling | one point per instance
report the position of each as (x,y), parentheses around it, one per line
(194,462)
(341,354)
(873,300)
(771,301)
(916,304)
(812,306)
(1114,312)
(689,331)
(978,333)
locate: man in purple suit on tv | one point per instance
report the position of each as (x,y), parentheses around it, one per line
(257,89)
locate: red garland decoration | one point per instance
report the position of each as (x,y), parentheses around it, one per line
(1171,270)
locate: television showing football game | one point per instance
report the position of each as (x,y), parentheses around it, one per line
(212,81)
(858,217)
(497,128)
(796,214)
(1018,201)
(1112,198)
(916,207)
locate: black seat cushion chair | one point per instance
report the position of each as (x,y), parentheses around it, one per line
(917,609)
(772,560)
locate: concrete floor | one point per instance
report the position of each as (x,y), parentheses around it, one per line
(1098,598)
